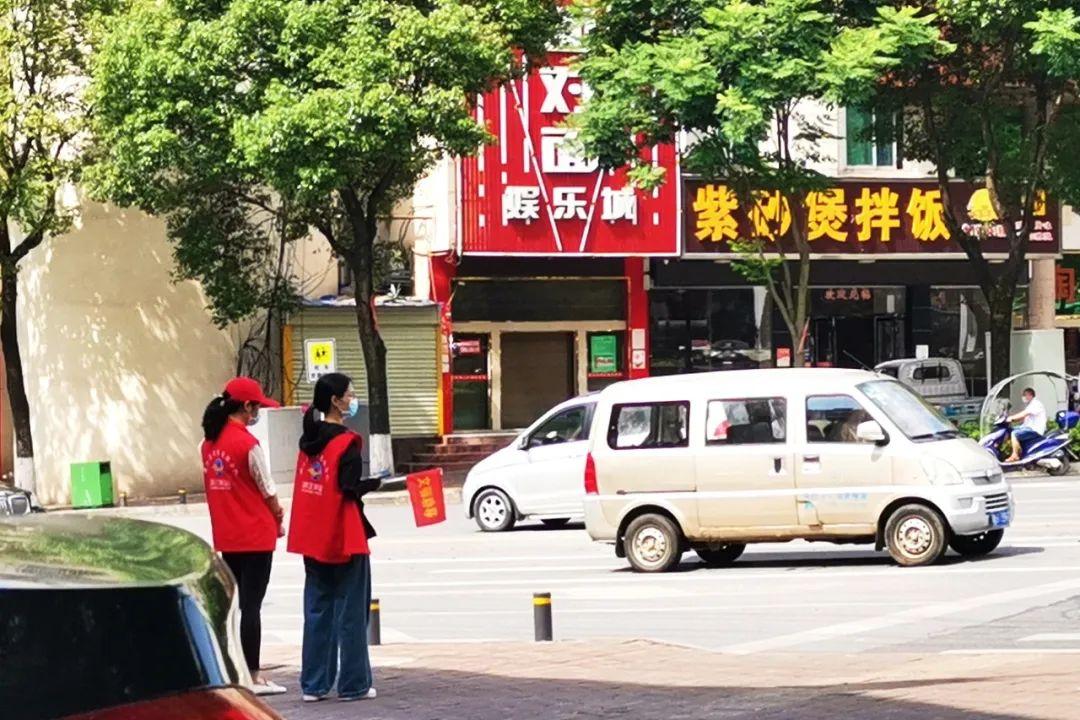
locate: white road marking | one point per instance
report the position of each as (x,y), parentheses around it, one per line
(1014,651)
(926,612)
(1045,484)
(560,609)
(507,559)
(812,574)
(528,570)
(1052,637)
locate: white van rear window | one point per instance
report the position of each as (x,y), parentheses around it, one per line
(750,421)
(649,425)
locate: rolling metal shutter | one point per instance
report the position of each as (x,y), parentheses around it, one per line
(411,337)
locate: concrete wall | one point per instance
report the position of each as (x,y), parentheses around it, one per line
(120,361)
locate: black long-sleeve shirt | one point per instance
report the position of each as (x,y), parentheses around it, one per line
(351,478)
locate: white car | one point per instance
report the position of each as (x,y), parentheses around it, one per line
(537,476)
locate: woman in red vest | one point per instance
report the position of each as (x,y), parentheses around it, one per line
(244,510)
(328,528)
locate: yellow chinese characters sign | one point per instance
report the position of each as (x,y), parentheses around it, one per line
(856,218)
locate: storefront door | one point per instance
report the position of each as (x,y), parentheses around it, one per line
(471,376)
(857,342)
(538,370)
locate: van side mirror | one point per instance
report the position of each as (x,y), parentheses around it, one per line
(871,432)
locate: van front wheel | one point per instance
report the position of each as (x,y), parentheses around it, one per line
(915,535)
(977,545)
(653,544)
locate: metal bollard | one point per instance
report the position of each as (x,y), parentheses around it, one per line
(374,628)
(183,497)
(123,499)
(542,617)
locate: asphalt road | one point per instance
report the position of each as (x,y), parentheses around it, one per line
(453,583)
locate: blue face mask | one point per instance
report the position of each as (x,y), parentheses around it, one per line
(354,407)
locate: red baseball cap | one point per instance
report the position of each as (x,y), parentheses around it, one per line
(245,389)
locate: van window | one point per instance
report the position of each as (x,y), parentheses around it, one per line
(649,425)
(833,418)
(751,421)
(570,425)
(931,373)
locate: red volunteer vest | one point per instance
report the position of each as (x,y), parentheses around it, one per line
(238,514)
(325,525)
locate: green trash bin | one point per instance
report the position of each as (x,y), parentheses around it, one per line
(91,485)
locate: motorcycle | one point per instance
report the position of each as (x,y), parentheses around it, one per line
(1049,452)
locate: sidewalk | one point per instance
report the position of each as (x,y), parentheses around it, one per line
(196,504)
(644,680)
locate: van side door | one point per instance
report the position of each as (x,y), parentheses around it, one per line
(837,475)
(745,471)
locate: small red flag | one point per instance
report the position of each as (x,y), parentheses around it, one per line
(426,496)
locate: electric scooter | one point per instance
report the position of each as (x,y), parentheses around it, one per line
(1050,452)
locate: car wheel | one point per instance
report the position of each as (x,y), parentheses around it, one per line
(494,511)
(915,535)
(977,545)
(720,554)
(555,522)
(653,543)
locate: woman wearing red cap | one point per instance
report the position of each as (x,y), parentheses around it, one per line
(244,510)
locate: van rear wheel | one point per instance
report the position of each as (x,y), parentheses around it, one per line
(977,545)
(653,543)
(719,554)
(915,535)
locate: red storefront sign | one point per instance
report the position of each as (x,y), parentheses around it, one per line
(530,193)
(467,347)
(858,217)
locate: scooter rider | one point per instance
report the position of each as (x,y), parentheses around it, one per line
(1034,423)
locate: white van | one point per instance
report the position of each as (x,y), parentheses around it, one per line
(714,461)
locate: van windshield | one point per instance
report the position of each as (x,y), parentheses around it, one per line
(915,417)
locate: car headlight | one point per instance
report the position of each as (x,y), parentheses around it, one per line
(940,472)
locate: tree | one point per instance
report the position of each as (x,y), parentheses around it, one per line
(42,116)
(332,108)
(995,104)
(747,86)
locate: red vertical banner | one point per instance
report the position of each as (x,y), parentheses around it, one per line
(637,319)
(426,496)
(442,271)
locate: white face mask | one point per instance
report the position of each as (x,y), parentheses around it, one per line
(253,418)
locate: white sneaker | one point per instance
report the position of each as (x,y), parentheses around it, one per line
(312,698)
(268,687)
(369,695)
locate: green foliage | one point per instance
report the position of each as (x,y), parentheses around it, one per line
(247,122)
(42,114)
(749,85)
(754,264)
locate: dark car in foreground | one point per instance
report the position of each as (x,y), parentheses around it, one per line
(110,618)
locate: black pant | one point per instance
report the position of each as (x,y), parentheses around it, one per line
(252,573)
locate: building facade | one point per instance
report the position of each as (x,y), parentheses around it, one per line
(559,279)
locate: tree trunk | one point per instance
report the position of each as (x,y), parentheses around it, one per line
(361,262)
(20,406)
(999,299)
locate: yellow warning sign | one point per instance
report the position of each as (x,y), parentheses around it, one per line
(321,358)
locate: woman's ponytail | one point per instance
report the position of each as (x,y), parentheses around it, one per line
(311,425)
(217,414)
